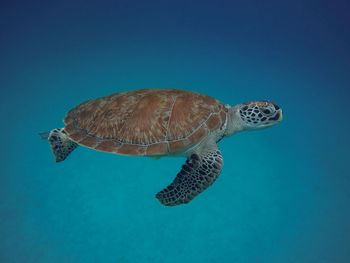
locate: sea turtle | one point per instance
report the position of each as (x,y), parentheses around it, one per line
(162,122)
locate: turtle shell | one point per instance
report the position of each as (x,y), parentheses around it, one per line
(145,122)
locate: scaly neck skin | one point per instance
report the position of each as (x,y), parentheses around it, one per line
(234,122)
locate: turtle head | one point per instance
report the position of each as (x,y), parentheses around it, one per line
(254,115)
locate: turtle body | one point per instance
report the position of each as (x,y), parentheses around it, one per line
(146,122)
(162,122)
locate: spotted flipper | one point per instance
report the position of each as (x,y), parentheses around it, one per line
(197,174)
(61,145)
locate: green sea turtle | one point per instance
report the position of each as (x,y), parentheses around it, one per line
(162,122)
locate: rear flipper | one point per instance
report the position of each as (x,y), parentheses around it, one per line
(61,145)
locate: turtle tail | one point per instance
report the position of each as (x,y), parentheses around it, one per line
(44,135)
(61,145)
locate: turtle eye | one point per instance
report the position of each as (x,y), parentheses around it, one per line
(267,110)
(276,106)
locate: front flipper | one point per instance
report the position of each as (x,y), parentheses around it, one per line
(196,175)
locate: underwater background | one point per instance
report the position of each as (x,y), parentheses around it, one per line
(283,194)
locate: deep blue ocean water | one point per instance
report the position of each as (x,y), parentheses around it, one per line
(283,194)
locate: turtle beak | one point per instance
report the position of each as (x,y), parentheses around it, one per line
(279,112)
(281,116)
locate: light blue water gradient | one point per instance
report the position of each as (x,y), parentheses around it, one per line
(283,195)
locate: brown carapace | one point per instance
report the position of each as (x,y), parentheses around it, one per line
(145,122)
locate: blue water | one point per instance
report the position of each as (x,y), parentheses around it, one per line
(283,194)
